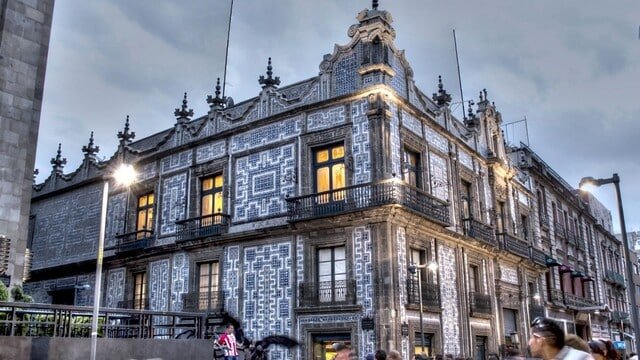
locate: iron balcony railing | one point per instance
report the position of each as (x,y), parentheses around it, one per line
(578,301)
(138,304)
(430,293)
(364,196)
(514,245)
(25,319)
(571,237)
(615,278)
(480,303)
(559,229)
(556,296)
(136,240)
(620,316)
(211,301)
(479,231)
(538,256)
(324,293)
(544,221)
(202,226)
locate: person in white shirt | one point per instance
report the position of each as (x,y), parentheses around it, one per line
(547,342)
(228,342)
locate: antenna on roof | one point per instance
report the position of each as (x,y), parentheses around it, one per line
(226,54)
(455,44)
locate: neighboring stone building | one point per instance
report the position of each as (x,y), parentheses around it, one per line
(304,210)
(25,28)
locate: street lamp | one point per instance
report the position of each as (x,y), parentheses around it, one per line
(124,175)
(615,180)
(433,267)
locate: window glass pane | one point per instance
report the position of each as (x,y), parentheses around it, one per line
(322,179)
(340,267)
(150,219)
(337,152)
(322,156)
(207,205)
(217,202)
(324,255)
(150,199)
(324,268)
(142,220)
(207,184)
(339,253)
(142,201)
(219,181)
(338,176)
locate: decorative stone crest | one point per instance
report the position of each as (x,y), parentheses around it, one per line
(90,150)
(269,81)
(183,115)
(58,162)
(216,102)
(125,136)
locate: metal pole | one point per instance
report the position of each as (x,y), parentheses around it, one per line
(590,329)
(421,311)
(631,288)
(97,286)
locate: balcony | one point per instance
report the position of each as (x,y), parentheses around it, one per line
(430,294)
(139,304)
(544,221)
(578,301)
(480,304)
(203,301)
(366,196)
(328,293)
(479,231)
(513,245)
(202,226)
(559,230)
(136,240)
(571,237)
(620,316)
(556,296)
(538,256)
(615,278)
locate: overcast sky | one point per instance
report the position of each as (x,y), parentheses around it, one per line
(570,67)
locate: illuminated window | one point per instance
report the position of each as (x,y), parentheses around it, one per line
(411,171)
(332,274)
(208,285)
(145,212)
(330,172)
(139,290)
(211,199)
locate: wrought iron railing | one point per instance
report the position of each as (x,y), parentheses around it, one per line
(571,237)
(544,221)
(202,226)
(212,301)
(137,304)
(556,296)
(620,316)
(360,197)
(559,229)
(479,231)
(578,301)
(480,303)
(513,245)
(538,256)
(25,319)
(430,293)
(615,278)
(136,240)
(324,293)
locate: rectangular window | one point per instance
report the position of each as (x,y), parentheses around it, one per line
(411,170)
(145,213)
(211,200)
(332,274)
(500,225)
(426,347)
(330,174)
(465,197)
(139,290)
(524,227)
(208,275)
(474,279)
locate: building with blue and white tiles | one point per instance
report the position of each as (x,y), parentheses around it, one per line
(346,207)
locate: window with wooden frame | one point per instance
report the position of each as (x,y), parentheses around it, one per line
(466,197)
(329,170)
(139,290)
(145,212)
(411,168)
(211,199)
(208,285)
(332,274)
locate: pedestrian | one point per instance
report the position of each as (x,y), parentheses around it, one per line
(381,355)
(576,342)
(547,341)
(633,356)
(394,355)
(228,343)
(612,353)
(343,352)
(598,349)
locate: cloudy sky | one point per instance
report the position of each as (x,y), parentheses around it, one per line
(570,67)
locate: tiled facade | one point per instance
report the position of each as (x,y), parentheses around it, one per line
(471,212)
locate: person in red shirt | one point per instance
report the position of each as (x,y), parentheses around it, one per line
(228,343)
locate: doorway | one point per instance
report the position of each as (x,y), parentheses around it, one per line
(481,347)
(321,347)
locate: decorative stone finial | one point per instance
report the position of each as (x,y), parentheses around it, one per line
(374,4)
(183,114)
(269,81)
(35,173)
(470,113)
(126,136)
(58,162)
(217,101)
(442,98)
(90,150)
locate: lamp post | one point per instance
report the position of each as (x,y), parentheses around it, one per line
(615,180)
(432,266)
(124,175)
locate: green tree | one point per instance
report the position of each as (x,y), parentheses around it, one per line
(4,292)
(19,295)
